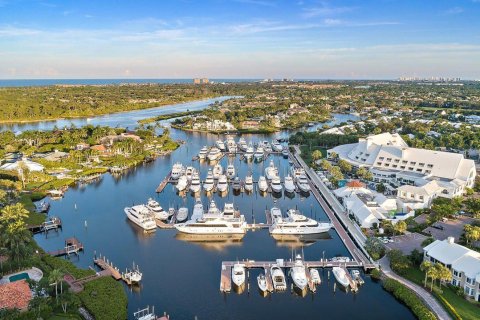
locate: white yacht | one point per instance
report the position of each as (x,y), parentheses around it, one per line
(298,274)
(278,278)
(249,152)
(242,144)
(296,172)
(231,145)
(238,275)
(195,184)
(259,154)
(214,154)
(156,210)
(177,170)
(217,171)
(182,183)
(182,214)
(248,183)
(297,224)
(341,276)
(141,216)
(189,172)
(228,211)
(203,153)
(209,183)
(276,184)
(213,222)
(220,145)
(276,146)
(289,184)
(262,184)
(267,146)
(197,209)
(133,276)
(237,184)
(315,276)
(271,171)
(262,283)
(230,171)
(303,184)
(222,185)
(275,214)
(285,152)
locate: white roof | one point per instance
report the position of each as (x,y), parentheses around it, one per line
(32,166)
(449,252)
(468,264)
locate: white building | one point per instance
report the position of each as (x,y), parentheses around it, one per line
(30,165)
(462,262)
(390,160)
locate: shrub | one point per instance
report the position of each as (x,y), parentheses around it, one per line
(449,307)
(105,299)
(376,274)
(66,266)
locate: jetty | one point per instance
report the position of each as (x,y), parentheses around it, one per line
(164,183)
(108,267)
(72,246)
(53,223)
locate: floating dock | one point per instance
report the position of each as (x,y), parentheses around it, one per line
(164,183)
(72,246)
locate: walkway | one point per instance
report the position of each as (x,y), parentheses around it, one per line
(429,300)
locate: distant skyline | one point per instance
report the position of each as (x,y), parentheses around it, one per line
(349,39)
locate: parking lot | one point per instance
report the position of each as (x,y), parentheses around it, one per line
(407,242)
(450,228)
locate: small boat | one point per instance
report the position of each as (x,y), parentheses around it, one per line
(276,146)
(285,152)
(356,276)
(262,184)
(237,184)
(141,216)
(220,145)
(182,214)
(303,184)
(177,170)
(238,275)
(133,276)
(259,154)
(195,184)
(209,183)
(267,146)
(182,183)
(289,184)
(271,171)
(156,210)
(341,276)
(262,283)
(171,212)
(315,276)
(242,144)
(278,278)
(298,274)
(249,153)
(189,171)
(222,185)
(203,153)
(214,154)
(248,183)
(340,259)
(276,184)
(217,171)
(230,171)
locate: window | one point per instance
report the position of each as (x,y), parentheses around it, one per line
(381,158)
(397,160)
(430,165)
(379,163)
(412,163)
(389,159)
(404,161)
(470,280)
(421,164)
(420,197)
(387,164)
(427,171)
(402,167)
(419,170)
(455,273)
(394,166)
(410,168)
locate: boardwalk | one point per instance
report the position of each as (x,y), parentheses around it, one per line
(164,183)
(108,267)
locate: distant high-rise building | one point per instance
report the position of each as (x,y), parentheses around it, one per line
(201,81)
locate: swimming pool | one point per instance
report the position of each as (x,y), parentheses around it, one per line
(20,276)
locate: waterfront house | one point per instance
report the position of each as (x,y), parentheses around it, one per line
(30,165)
(464,264)
(100,148)
(250,124)
(82,146)
(15,295)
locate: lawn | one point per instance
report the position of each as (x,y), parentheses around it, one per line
(466,309)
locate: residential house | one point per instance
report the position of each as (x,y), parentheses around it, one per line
(15,295)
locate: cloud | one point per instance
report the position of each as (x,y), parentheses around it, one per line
(324,10)
(258,3)
(453,11)
(9,31)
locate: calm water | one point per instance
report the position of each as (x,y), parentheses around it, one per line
(181,276)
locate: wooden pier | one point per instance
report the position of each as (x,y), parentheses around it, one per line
(72,246)
(108,267)
(226,278)
(164,183)
(53,223)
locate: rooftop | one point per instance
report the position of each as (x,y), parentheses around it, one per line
(15,295)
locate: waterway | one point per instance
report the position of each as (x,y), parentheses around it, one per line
(182,277)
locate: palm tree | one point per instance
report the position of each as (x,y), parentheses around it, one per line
(16,243)
(424,267)
(432,273)
(55,276)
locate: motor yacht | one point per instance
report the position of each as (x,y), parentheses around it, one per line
(195,184)
(248,183)
(276,146)
(182,183)
(177,170)
(249,152)
(217,171)
(230,171)
(156,210)
(259,154)
(242,144)
(341,276)
(220,145)
(262,283)
(209,183)
(228,211)
(315,276)
(141,216)
(285,152)
(133,276)
(303,184)
(214,154)
(203,153)
(222,185)
(275,214)
(296,173)
(197,209)
(298,274)
(271,171)
(276,184)
(182,214)
(297,224)
(262,184)
(189,171)
(237,184)
(171,212)
(289,184)
(278,278)
(267,146)
(231,145)
(238,275)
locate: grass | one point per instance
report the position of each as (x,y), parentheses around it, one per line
(467,310)
(34,218)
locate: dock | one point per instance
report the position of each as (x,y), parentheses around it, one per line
(72,246)
(53,223)
(226,278)
(108,267)
(164,183)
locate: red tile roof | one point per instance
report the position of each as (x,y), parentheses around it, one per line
(15,295)
(355,184)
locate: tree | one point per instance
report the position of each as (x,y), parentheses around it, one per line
(325,165)
(424,266)
(374,247)
(472,233)
(16,243)
(398,261)
(336,173)
(316,155)
(432,273)
(381,188)
(344,166)
(400,227)
(473,206)
(333,155)
(12,218)
(56,275)
(443,273)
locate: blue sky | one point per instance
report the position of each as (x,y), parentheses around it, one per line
(239,39)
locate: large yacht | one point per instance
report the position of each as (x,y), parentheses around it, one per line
(228,211)
(182,214)
(289,184)
(220,145)
(249,153)
(278,278)
(197,209)
(242,144)
(298,274)
(303,184)
(217,171)
(238,275)
(277,146)
(222,185)
(230,171)
(276,184)
(231,145)
(259,153)
(271,171)
(156,210)
(295,224)
(189,172)
(209,183)
(248,183)
(195,185)
(262,184)
(182,183)
(141,216)
(203,153)
(341,276)
(213,222)
(177,170)
(214,154)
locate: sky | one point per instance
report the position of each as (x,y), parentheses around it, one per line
(300,39)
